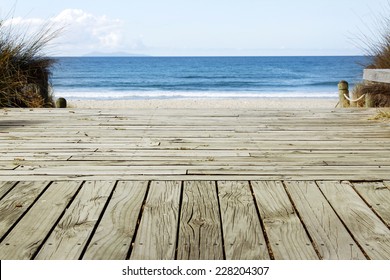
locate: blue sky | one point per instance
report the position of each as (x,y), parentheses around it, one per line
(201,27)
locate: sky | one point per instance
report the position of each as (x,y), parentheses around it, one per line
(200,27)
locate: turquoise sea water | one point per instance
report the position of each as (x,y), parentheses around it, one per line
(109,78)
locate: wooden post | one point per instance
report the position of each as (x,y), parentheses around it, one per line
(370,100)
(61,103)
(343,89)
(354,95)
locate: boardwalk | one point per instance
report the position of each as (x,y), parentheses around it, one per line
(194,184)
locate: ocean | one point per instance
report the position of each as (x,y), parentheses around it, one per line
(115,78)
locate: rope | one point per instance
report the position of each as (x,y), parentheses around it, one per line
(354,100)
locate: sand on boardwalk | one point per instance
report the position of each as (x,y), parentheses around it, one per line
(270,103)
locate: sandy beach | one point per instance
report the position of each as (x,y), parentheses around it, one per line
(271,103)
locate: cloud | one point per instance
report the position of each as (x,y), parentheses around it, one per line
(21,22)
(83,32)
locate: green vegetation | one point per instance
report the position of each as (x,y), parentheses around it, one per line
(24,69)
(377,48)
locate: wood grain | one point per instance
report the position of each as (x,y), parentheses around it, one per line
(377,195)
(17,201)
(115,231)
(138,144)
(242,231)
(71,234)
(366,228)
(200,228)
(26,237)
(157,233)
(331,238)
(205,150)
(5,187)
(286,234)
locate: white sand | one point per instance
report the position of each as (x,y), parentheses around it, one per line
(272,103)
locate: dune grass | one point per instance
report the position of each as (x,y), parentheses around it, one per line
(376,46)
(382,115)
(24,69)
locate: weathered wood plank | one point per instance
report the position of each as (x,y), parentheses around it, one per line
(377,196)
(17,201)
(99,170)
(260,146)
(89,132)
(27,236)
(85,170)
(286,234)
(331,238)
(377,75)
(157,233)
(7,166)
(71,234)
(266,159)
(200,177)
(186,135)
(200,227)
(346,171)
(242,231)
(114,233)
(5,187)
(367,229)
(52,139)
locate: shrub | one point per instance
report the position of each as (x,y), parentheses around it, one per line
(378,52)
(24,70)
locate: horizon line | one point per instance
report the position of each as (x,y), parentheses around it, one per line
(155,56)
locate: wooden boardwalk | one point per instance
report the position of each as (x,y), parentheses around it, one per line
(194,184)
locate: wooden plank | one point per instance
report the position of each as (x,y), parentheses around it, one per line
(27,236)
(199,170)
(220,177)
(265,158)
(99,170)
(163,153)
(114,233)
(7,166)
(200,228)
(142,121)
(187,134)
(72,232)
(5,187)
(286,234)
(377,75)
(16,203)
(191,132)
(377,196)
(347,171)
(259,146)
(331,238)
(242,231)
(200,162)
(317,157)
(367,229)
(157,233)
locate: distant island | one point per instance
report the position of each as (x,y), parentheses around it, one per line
(112,54)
